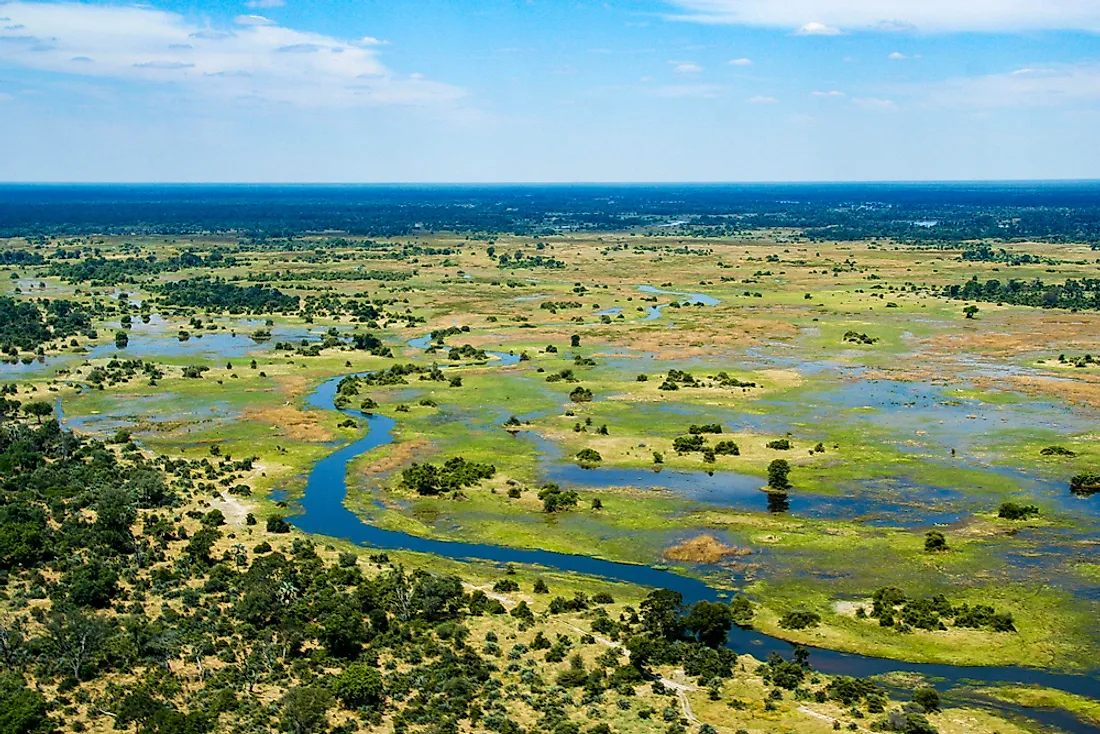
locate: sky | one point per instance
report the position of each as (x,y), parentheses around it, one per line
(549,91)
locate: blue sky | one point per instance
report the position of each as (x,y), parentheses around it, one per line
(531,90)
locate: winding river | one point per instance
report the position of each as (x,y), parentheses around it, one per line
(323,512)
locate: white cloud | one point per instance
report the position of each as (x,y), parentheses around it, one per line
(831,94)
(254,60)
(1040,86)
(685,67)
(875,104)
(253,20)
(741,62)
(897,56)
(883,16)
(265,3)
(760,99)
(813,28)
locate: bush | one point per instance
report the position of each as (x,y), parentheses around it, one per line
(727,448)
(589,456)
(1013,511)
(927,698)
(277,525)
(935,541)
(799,620)
(359,686)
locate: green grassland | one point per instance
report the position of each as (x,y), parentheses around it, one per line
(789,340)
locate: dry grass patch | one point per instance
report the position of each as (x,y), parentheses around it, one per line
(704,549)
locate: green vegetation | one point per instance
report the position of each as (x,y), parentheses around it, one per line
(211,612)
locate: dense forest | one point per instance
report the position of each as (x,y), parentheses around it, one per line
(919,213)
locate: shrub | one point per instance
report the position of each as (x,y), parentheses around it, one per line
(277,525)
(1013,511)
(798,620)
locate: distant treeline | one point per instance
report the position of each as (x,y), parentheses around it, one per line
(922,213)
(1079,294)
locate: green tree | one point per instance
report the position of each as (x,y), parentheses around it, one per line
(22,710)
(304,710)
(778,472)
(709,622)
(971,311)
(359,686)
(661,614)
(75,641)
(92,584)
(934,540)
(38,408)
(927,698)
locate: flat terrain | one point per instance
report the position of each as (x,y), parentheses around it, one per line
(897,414)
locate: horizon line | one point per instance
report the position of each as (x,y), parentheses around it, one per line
(784,182)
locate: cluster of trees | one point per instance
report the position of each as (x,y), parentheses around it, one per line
(28,325)
(986,253)
(1013,511)
(350,276)
(1085,484)
(1083,294)
(104,271)
(120,371)
(350,386)
(677,378)
(696,442)
(453,475)
(893,608)
(855,337)
(218,296)
(556,499)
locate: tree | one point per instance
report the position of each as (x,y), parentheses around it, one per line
(121,339)
(304,709)
(927,698)
(934,540)
(22,711)
(581,395)
(115,513)
(343,632)
(778,472)
(971,311)
(588,456)
(661,614)
(710,622)
(92,584)
(359,686)
(201,543)
(437,597)
(75,640)
(277,525)
(38,408)
(575,341)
